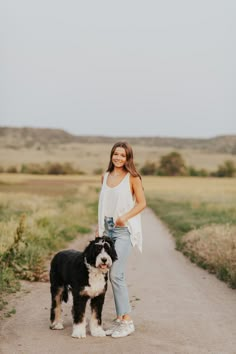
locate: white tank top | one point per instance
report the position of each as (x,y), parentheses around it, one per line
(115,202)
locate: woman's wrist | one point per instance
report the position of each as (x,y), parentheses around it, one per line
(124,219)
(97,231)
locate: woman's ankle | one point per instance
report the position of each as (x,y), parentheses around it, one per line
(126,318)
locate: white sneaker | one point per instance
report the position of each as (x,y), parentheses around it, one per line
(114,326)
(124,329)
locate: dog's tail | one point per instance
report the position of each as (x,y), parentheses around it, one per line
(65,294)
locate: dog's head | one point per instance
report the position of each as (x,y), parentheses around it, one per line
(100,253)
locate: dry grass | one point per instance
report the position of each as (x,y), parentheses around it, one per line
(42,207)
(88,157)
(46,185)
(220,193)
(11,178)
(214,247)
(201,214)
(51,220)
(184,203)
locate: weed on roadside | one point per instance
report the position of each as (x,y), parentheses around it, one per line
(27,240)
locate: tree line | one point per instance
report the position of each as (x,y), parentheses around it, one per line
(173,164)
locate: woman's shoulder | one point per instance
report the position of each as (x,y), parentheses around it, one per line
(104,175)
(135,180)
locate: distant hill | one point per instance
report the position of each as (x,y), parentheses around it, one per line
(15,138)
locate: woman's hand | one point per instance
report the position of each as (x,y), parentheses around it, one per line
(96,232)
(121,221)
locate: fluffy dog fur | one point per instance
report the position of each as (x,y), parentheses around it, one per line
(85,274)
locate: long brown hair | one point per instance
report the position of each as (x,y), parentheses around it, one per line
(129,164)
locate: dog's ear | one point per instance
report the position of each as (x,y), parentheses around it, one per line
(112,250)
(114,256)
(89,252)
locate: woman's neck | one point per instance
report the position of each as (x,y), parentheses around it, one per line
(117,172)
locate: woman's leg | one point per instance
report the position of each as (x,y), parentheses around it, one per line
(123,247)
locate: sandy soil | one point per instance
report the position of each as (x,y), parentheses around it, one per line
(177,308)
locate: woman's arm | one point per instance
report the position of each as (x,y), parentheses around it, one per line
(137,189)
(96,230)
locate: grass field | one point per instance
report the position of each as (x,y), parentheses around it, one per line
(40,214)
(89,157)
(201,215)
(37,217)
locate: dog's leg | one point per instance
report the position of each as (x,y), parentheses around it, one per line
(56,321)
(78,312)
(96,317)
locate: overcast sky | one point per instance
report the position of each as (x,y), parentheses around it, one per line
(119,68)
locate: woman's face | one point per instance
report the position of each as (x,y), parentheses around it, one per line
(119,157)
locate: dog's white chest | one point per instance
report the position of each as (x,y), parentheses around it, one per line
(96,284)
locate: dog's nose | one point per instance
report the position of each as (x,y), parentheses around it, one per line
(104,260)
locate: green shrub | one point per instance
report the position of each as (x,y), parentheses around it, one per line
(148,169)
(11,169)
(56,169)
(51,168)
(98,171)
(227,169)
(172,164)
(33,168)
(192,171)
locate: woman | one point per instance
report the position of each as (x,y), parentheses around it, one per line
(120,204)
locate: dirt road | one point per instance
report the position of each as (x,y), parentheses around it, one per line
(177,308)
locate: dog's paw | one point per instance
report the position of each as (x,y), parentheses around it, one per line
(97,332)
(56,325)
(79,331)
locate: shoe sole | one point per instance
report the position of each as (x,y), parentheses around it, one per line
(124,335)
(110,331)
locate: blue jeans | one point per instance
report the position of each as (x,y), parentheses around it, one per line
(123,246)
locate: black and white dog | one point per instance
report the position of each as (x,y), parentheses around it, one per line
(85,274)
